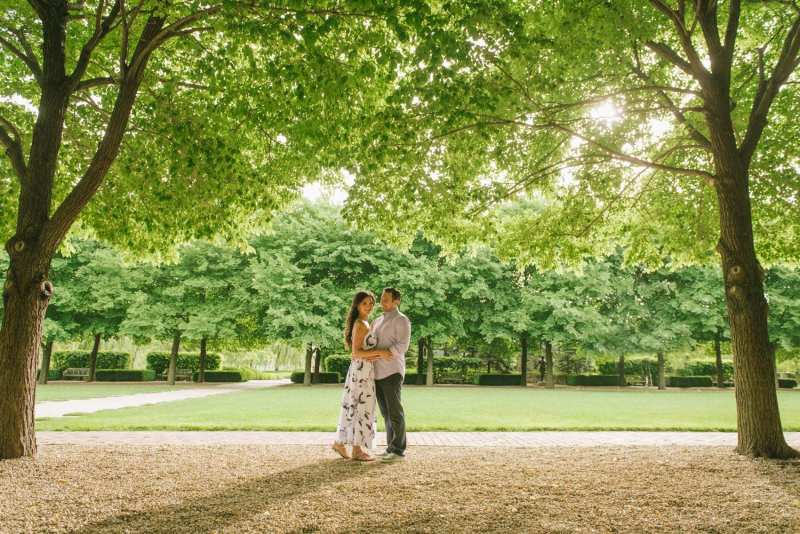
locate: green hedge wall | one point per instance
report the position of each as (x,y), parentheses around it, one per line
(324,378)
(221,376)
(787,383)
(52,374)
(125,375)
(159,361)
(689,381)
(639,368)
(592,380)
(80,358)
(707,368)
(498,380)
(411,378)
(338,363)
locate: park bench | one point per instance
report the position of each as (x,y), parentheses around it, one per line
(180,374)
(76,372)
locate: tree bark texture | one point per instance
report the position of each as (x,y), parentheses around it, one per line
(93,359)
(523,361)
(307,370)
(173,358)
(201,375)
(549,377)
(662,380)
(48,353)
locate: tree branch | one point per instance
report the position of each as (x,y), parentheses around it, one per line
(28,58)
(102,26)
(694,67)
(13,144)
(95,82)
(768,90)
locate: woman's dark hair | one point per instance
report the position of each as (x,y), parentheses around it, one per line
(352,315)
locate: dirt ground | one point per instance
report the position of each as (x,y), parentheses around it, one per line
(206,489)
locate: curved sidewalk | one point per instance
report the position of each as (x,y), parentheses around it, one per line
(82,406)
(425,439)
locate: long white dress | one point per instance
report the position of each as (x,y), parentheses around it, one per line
(357,418)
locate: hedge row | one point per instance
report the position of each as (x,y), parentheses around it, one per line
(125,375)
(80,358)
(159,361)
(324,378)
(52,374)
(689,381)
(592,380)
(411,378)
(787,383)
(707,368)
(221,376)
(338,363)
(498,380)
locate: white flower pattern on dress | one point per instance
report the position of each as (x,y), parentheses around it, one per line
(357,418)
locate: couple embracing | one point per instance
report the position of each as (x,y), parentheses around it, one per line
(376,373)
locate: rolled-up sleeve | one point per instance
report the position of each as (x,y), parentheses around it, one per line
(400,347)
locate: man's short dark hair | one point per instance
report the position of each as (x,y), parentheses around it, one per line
(393,292)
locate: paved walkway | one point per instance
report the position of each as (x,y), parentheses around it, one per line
(62,408)
(432,439)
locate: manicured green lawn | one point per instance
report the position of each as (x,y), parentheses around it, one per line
(77,390)
(441,408)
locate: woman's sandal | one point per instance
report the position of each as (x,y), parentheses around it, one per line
(363,457)
(341,450)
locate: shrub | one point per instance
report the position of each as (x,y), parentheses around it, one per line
(80,358)
(159,361)
(221,376)
(125,375)
(498,380)
(689,381)
(52,374)
(324,378)
(338,363)
(633,367)
(411,378)
(787,383)
(706,368)
(592,380)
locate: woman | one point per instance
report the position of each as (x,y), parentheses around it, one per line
(357,419)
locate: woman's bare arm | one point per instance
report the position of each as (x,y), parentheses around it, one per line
(356,352)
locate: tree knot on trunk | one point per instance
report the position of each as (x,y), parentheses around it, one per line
(736,274)
(46,289)
(736,293)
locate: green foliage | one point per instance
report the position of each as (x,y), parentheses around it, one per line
(498,380)
(787,383)
(706,368)
(159,361)
(593,380)
(324,378)
(338,363)
(80,359)
(52,374)
(221,376)
(413,378)
(125,375)
(689,381)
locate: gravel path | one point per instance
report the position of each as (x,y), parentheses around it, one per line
(434,439)
(62,408)
(266,488)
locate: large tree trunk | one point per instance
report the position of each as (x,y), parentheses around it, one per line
(420,360)
(173,359)
(621,371)
(549,377)
(760,433)
(317,358)
(429,377)
(523,361)
(201,375)
(93,358)
(48,352)
(307,370)
(718,354)
(662,382)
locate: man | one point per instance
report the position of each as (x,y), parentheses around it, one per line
(391,331)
